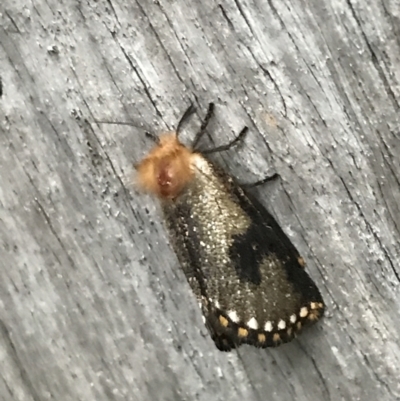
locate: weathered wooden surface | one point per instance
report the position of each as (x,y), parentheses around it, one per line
(93,305)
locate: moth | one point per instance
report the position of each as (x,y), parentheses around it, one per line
(247,276)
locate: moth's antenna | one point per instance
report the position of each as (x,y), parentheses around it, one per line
(189,111)
(116,123)
(149,134)
(207,118)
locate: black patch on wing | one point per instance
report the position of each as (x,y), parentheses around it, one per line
(246,254)
(264,236)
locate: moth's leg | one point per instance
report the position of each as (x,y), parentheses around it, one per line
(203,127)
(229,145)
(272,177)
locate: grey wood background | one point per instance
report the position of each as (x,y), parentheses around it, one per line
(93,305)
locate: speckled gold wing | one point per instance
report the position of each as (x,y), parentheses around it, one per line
(248,277)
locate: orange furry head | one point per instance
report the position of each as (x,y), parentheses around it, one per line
(166,170)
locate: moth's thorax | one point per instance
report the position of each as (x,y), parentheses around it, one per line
(167,168)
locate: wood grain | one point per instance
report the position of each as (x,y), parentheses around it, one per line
(93,305)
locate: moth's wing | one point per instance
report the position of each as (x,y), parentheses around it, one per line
(261,294)
(265,236)
(300,303)
(185,239)
(224,340)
